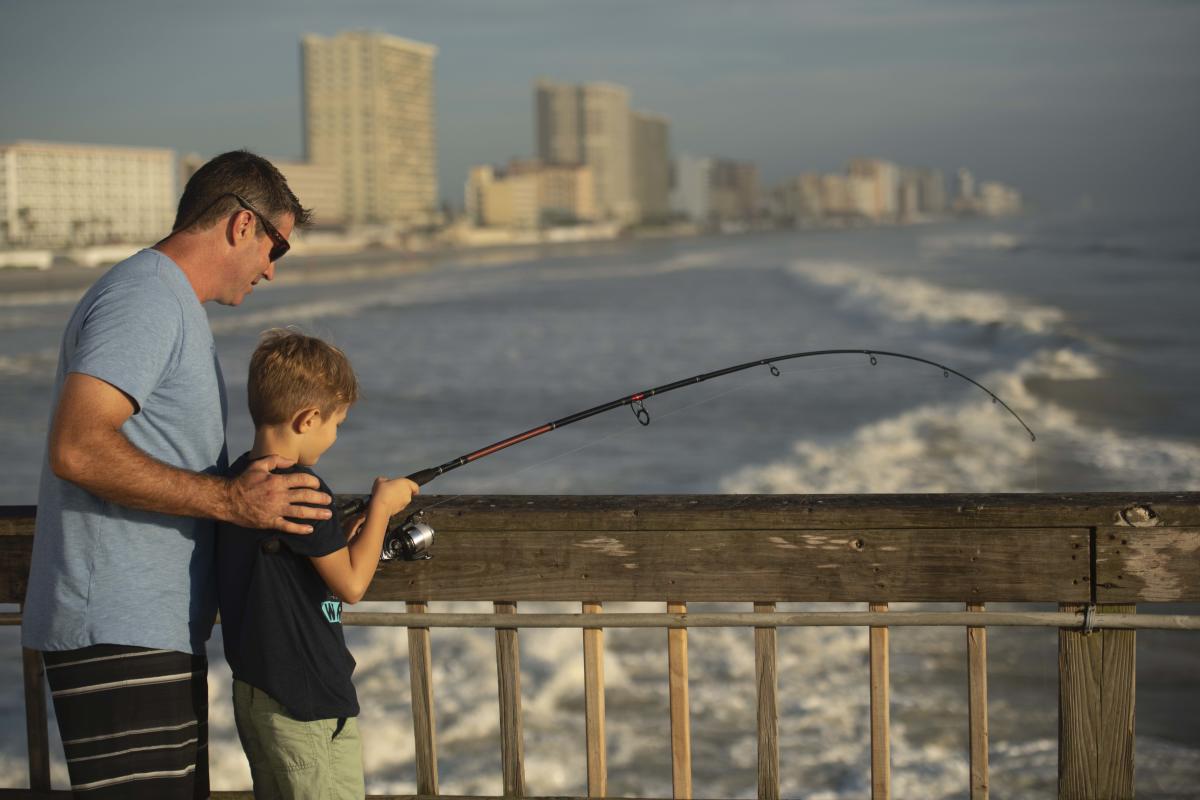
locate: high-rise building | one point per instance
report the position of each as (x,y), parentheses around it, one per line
(651,165)
(734,187)
(931,185)
(966,185)
(590,124)
(799,199)
(691,194)
(885,178)
(56,195)
(369,112)
(557,121)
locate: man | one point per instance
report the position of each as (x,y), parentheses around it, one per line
(121,594)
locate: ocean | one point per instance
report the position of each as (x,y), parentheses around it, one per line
(1084,325)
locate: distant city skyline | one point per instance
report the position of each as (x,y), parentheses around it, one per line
(1062,101)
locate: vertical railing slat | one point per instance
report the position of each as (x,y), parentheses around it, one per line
(37,734)
(1096,680)
(977,705)
(765,645)
(681,735)
(881,765)
(420,661)
(593,679)
(508,675)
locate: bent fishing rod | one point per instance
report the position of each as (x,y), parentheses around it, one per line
(411,540)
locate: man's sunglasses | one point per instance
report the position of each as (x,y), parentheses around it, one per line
(279,245)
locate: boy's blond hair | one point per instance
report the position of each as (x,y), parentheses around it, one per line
(290,372)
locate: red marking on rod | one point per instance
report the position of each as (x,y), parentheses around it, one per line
(509,442)
(637,397)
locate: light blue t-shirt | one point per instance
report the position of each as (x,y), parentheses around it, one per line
(103,573)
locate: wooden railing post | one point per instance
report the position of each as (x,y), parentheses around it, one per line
(681,734)
(420,661)
(36,732)
(881,759)
(593,692)
(977,706)
(765,644)
(1096,674)
(508,674)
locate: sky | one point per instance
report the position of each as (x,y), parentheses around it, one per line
(1061,100)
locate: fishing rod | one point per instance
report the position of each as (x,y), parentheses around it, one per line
(412,540)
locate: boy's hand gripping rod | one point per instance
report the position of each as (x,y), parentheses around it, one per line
(412,539)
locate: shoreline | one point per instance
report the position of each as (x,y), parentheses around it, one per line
(21,285)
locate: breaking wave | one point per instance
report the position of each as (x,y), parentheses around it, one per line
(913,300)
(975,447)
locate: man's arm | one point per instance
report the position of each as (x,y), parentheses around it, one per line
(88,449)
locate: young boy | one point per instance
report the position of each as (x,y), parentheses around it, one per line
(281,595)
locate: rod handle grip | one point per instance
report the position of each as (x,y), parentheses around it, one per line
(422,477)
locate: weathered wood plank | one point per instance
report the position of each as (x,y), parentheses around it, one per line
(677,684)
(593,692)
(765,644)
(37,733)
(977,705)
(1024,565)
(789,512)
(420,661)
(795,512)
(1147,565)
(1096,712)
(881,759)
(508,674)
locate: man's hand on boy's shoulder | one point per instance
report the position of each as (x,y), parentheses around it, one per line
(261,499)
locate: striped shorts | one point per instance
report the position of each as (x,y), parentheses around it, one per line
(134,721)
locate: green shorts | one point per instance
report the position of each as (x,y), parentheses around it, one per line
(294,760)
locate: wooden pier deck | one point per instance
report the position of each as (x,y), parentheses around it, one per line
(1099,557)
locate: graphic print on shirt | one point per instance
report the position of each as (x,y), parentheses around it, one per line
(332,609)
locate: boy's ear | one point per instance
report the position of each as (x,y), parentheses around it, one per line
(306,419)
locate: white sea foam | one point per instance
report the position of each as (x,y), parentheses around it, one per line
(974,446)
(913,300)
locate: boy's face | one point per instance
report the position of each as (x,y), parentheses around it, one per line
(320,436)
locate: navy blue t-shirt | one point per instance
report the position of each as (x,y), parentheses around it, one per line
(281,624)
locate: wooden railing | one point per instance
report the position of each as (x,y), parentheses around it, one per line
(1095,555)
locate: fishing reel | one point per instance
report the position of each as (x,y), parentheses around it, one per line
(408,541)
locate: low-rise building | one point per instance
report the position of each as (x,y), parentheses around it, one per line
(529,194)
(55,194)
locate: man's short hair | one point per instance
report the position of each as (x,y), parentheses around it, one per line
(208,197)
(290,372)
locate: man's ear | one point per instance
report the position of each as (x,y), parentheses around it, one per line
(240,227)
(306,419)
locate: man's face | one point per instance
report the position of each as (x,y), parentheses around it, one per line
(252,263)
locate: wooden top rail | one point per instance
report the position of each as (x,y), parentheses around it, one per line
(782,548)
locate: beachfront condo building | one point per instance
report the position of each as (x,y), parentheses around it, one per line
(369,113)
(590,124)
(651,165)
(884,177)
(54,194)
